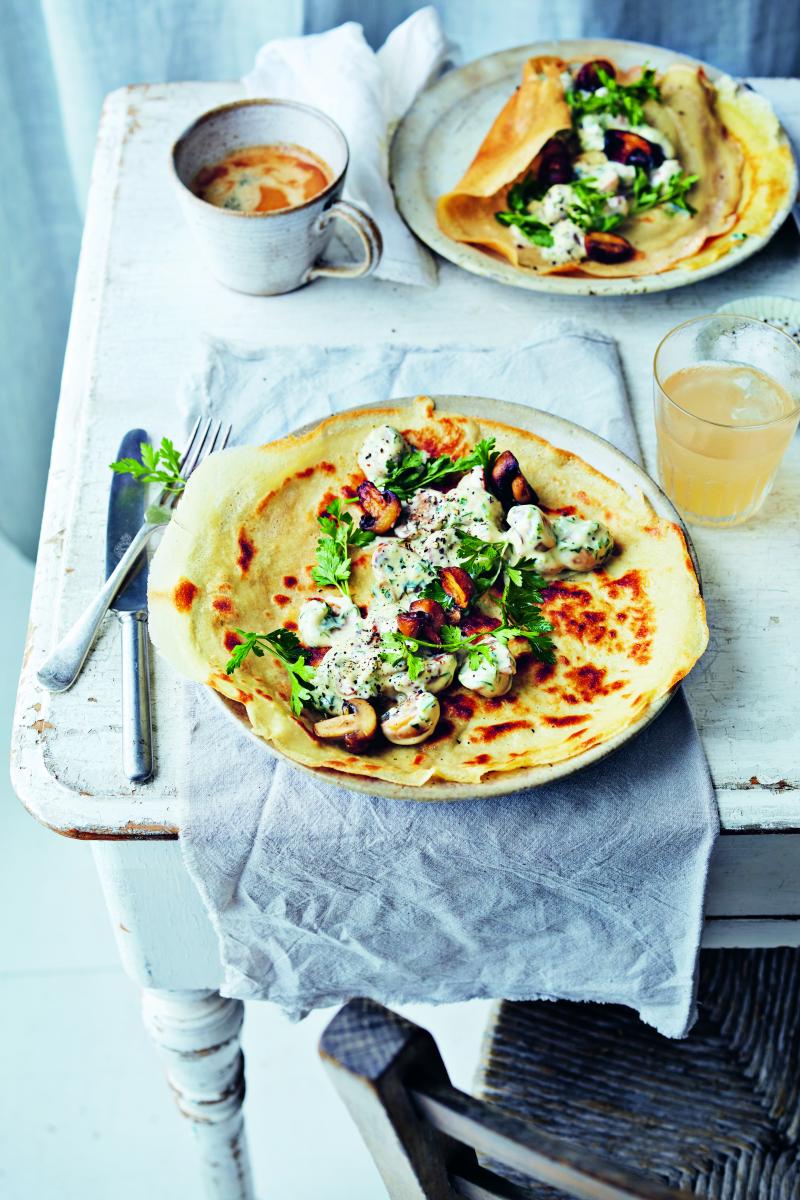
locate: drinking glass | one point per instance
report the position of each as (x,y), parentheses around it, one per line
(727,402)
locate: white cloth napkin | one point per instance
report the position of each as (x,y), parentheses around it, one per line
(588,889)
(366,93)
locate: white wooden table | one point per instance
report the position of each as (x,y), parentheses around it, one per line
(142,301)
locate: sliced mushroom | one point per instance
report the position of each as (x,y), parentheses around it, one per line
(458,585)
(381,509)
(417,624)
(588,80)
(355,725)
(509,484)
(412,721)
(555,165)
(433,610)
(478,622)
(632,149)
(608,247)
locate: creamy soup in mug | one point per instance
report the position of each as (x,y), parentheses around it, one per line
(258,179)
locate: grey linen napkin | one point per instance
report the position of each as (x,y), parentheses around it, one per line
(590,888)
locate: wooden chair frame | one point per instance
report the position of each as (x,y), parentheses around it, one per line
(425,1135)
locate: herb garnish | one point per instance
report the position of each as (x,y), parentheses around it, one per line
(333,557)
(285,646)
(521,599)
(589,210)
(157,466)
(619,99)
(414,471)
(519,196)
(401,650)
(483,560)
(672,192)
(521,604)
(435,591)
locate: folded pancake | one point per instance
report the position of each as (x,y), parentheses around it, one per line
(239,553)
(732,142)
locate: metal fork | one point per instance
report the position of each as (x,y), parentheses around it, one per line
(63,667)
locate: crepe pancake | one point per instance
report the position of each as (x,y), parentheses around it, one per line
(721,132)
(239,552)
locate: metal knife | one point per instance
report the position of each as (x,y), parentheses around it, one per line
(125,519)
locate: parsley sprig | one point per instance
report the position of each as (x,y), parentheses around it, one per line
(403,651)
(339,533)
(672,192)
(589,208)
(285,646)
(619,99)
(521,599)
(482,560)
(519,196)
(162,465)
(414,471)
(521,604)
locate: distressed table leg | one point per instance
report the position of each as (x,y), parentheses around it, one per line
(197,1033)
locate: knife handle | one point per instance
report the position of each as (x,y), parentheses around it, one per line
(137,730)
(63,667)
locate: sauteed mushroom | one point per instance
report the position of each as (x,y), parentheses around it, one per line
(478,622)
(381,509)
(412,721)
(632,149)
(355,725)
(555,165)
(458,585)
(608,247)
(588,80)
(433,610)
(417,624)
(509,484)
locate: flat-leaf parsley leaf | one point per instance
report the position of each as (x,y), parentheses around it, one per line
(285,646)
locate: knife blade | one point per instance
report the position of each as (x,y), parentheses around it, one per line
(125,518)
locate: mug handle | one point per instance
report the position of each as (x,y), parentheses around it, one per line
(367,231)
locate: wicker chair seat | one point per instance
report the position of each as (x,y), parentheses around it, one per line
(717,1114)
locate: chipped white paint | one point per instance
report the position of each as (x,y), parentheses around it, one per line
(142,301)
(198,1036)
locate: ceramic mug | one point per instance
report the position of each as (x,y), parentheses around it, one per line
(266,253)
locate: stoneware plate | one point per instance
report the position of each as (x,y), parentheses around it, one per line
(605,458)
(438,139)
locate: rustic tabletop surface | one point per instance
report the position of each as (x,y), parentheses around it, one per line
(142,303)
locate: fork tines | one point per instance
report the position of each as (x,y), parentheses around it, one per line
(206,438)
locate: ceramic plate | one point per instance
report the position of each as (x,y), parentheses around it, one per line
(605,458)
(438,139)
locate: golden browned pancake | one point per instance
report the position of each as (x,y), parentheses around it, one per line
(239,554)
(722,132)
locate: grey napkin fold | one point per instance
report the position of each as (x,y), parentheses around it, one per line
(590,888)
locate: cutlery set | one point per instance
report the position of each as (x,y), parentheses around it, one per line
(129,528)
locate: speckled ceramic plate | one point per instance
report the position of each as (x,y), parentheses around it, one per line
(438,139)
(780,311)
(605,458)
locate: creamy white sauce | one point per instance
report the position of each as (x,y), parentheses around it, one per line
(568,244)
(529,531)
(403,565)
(322,622)
(383,446)
(491,676)
(663,174)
